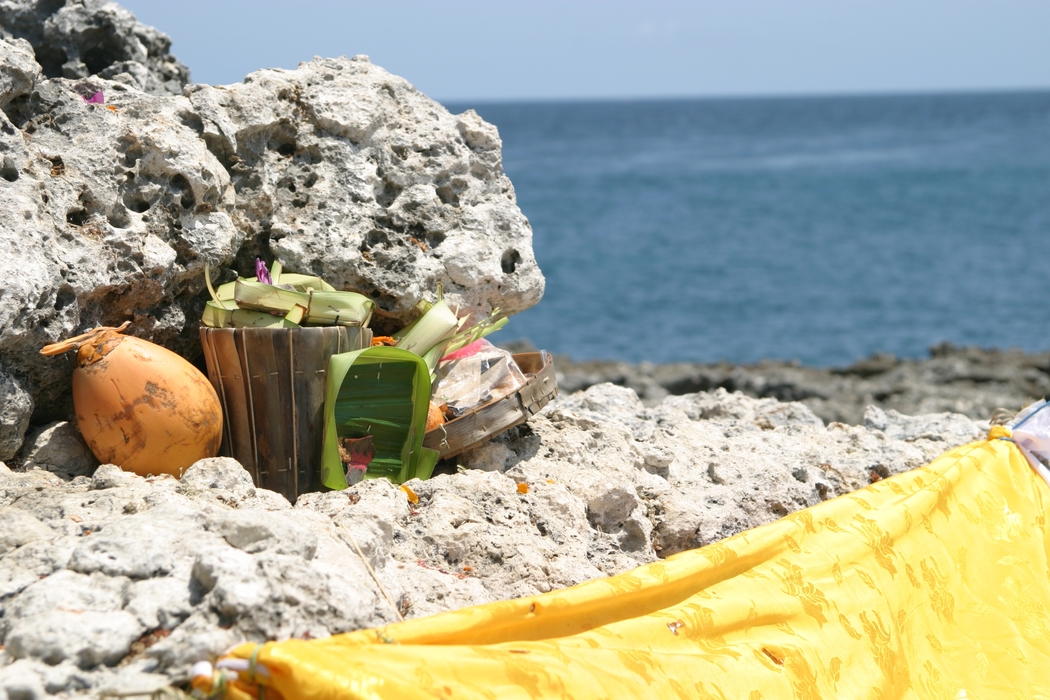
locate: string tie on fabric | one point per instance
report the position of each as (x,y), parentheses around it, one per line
(1000,432)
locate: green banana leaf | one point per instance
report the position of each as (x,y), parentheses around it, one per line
(383,392)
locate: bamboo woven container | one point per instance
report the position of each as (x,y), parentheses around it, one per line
(271,383)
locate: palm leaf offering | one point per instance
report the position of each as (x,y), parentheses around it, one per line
(377,401)
(277,299)
(439,331)
(382,393)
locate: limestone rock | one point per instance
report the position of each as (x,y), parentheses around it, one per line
(82,38)
(218,473)
(18,528)
(22,679)
(69,616)
(124,209)
(109,476)
(18,71)
(16,406)
(344,170)
(59,447)
(337,168)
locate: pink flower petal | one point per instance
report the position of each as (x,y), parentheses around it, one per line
(261,273)
(465,351)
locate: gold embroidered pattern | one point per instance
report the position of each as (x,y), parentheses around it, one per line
(850,630)
(1023,609)
(868,581)
(812,598)
(835,671)
(879,638)
(719,553)
(935,644)
(830,524)
(935,688)
(941,599)
(803,680)
(911,575)
(879,541)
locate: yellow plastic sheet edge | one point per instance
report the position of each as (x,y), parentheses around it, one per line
(931,583)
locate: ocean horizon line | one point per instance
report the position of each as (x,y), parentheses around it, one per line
(756,97)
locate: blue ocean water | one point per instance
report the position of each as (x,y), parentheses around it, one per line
(816,229)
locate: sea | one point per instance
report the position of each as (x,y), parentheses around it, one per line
(818,229)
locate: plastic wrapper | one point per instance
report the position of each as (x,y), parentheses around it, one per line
(484,373)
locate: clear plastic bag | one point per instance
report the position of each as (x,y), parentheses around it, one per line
(484,373)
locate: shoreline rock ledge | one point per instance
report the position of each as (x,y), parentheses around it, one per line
(111,211)
(111,581)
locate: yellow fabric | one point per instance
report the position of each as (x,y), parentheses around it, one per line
(924,585)
(999,431)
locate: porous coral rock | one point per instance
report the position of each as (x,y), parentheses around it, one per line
(81,38)
(58,446)
(346,171)
(16,406)
(106,216)
(337,168)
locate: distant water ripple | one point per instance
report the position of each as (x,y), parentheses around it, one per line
(817,229)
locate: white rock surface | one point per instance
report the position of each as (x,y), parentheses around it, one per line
(16,407)
(58,446)
(344,170)
(122,210)
(121,582)
(337,168)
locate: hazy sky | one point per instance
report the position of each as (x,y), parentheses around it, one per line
(479,51)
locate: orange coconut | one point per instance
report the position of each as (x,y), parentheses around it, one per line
(141,406)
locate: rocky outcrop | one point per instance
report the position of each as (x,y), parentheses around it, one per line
(107,215)
(343,170)
(111,211)
(82,38)
(971,381)
(114,581)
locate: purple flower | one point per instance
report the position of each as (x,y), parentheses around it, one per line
(96,99)
(261,273)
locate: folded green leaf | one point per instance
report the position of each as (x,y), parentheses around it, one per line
(435,327)
(421,310)
(216,315)
(246,318)
(338,308)
(303,283)
(295,315)
(384,393)
(252,294)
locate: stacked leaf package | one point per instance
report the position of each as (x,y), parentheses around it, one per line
(278,299)
(378,399)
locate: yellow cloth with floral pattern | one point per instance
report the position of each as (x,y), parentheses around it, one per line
(930,584)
